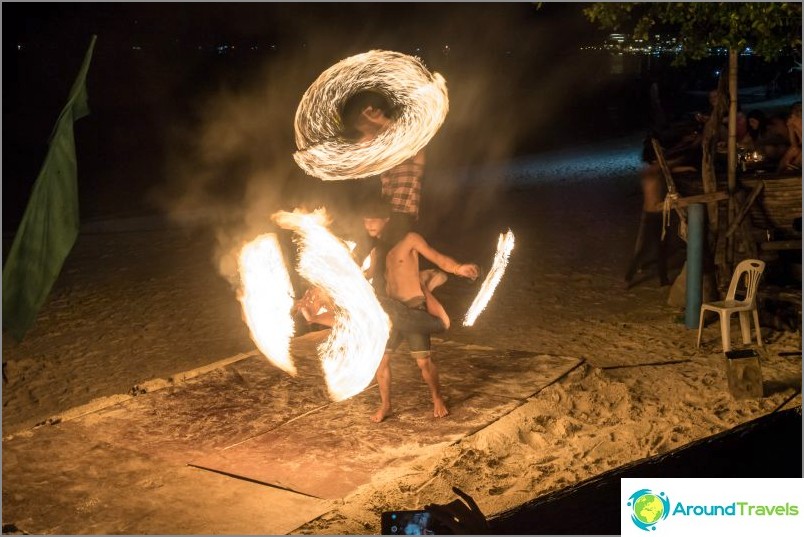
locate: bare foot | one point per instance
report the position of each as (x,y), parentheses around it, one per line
(381,414)
(439,408)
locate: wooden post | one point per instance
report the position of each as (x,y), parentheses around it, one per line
(732,174)
(711,128)
(732,148)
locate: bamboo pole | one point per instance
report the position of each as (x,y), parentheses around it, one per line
(732,148)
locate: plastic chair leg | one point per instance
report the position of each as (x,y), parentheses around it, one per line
(700,328)
(756,327)
(725,330)
(745,326)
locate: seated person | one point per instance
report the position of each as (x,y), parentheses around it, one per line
(791,160)
(756,130)
(777,138)
(316,308)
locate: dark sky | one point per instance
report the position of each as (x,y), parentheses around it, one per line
(160,22)
(159,86)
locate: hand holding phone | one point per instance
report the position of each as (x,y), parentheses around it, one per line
(418,522)
(460,518)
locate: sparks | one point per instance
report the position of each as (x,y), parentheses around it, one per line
(267,298)
(420,96)
(505,245)
(352,352)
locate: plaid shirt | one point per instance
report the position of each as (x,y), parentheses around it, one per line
(402,186)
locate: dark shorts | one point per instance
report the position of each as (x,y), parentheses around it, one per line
(418,340)
(411,319)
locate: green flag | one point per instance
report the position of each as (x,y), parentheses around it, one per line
(50,224)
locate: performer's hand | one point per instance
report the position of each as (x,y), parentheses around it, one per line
(462,518)
(468,271)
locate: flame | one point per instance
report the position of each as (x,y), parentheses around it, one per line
(267,299)
(366,263)
(352,352)
(419,96)
(505,245)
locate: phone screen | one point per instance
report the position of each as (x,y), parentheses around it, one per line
(407,523)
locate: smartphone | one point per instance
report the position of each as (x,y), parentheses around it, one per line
(418,522)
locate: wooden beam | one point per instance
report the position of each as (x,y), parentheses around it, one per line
(668,177)
(782,245)
(699,198)
(744,209)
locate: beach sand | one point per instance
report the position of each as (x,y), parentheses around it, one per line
(138,304)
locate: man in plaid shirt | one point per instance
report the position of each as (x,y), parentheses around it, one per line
(402,188)
(365,115)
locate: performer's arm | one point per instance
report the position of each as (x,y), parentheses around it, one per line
(369,272)
(444,262)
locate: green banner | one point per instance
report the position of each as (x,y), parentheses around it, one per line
(50,223)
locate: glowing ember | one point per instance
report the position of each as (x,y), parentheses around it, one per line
(505,244)
(420,97)
(352,352)
(267,298)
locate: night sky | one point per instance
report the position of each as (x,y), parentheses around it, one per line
(171,84)
(191,102)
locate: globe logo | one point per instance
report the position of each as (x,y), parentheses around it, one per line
(648,508)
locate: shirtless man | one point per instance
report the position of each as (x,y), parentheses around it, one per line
(402,283)
(791,160)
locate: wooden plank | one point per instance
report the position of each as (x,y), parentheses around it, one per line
(782,245)
(668,177)
(698,198)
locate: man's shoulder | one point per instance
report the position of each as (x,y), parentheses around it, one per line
(414,239)
(409,240)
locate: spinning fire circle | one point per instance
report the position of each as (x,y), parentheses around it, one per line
(419,96)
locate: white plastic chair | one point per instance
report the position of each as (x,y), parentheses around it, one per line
(752,270)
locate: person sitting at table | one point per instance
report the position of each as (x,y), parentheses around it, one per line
(755,132)
(776,139)
(791,160)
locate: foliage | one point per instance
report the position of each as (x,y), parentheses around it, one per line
(770,29)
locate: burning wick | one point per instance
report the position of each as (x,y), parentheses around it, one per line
(267,299)
(352,352)
(505,245)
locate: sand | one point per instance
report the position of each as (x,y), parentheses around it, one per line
(136,303)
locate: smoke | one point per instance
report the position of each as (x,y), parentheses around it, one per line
(230,164)
(510,82)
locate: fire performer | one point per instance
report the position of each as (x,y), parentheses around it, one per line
(396,276)
(365,115)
